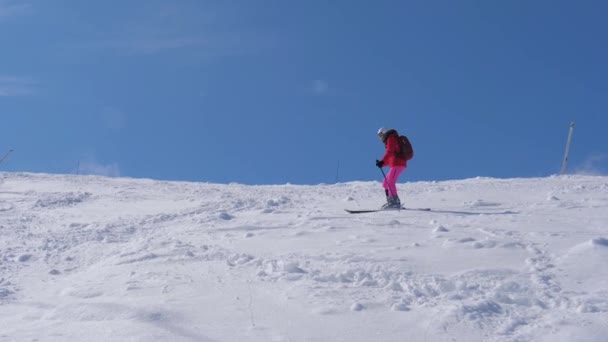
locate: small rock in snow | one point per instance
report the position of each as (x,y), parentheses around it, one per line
(357,307)
(226,216)
(24,257)
(261,273)
(603,242)
(400,307)
(293,268)
(441,229)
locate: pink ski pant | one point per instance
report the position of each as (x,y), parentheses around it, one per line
(390,181)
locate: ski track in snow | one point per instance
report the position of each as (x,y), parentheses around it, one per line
(497,260)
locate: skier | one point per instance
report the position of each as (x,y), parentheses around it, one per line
(397,163)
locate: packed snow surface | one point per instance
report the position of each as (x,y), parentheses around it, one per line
(86,258)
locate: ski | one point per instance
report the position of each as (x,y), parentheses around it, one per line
(363,211)
(417,209)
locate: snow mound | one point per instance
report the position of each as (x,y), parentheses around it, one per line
(599,244)
(589,259)
(112,259)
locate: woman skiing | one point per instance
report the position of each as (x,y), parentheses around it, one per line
(395,159)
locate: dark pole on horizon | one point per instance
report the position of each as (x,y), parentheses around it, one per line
(567,148)
(6,155)
(337,172)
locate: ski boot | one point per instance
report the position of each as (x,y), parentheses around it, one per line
(392,202)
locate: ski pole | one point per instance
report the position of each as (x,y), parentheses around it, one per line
(394,190)
(383,173)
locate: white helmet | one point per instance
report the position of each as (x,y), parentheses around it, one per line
(383,130)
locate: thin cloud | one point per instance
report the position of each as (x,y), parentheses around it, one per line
(168,28)
(594,165)
(16,86)
(13,8)
(93,167)
(208,45)
(151,45)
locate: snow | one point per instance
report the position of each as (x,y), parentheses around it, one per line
(115,259)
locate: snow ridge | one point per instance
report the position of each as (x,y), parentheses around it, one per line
(496,260)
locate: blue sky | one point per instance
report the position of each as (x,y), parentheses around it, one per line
(275,91)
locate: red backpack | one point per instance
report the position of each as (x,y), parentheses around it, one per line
(405,148)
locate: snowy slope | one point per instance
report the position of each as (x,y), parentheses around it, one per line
(110,259)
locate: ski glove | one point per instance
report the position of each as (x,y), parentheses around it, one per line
(379,163)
